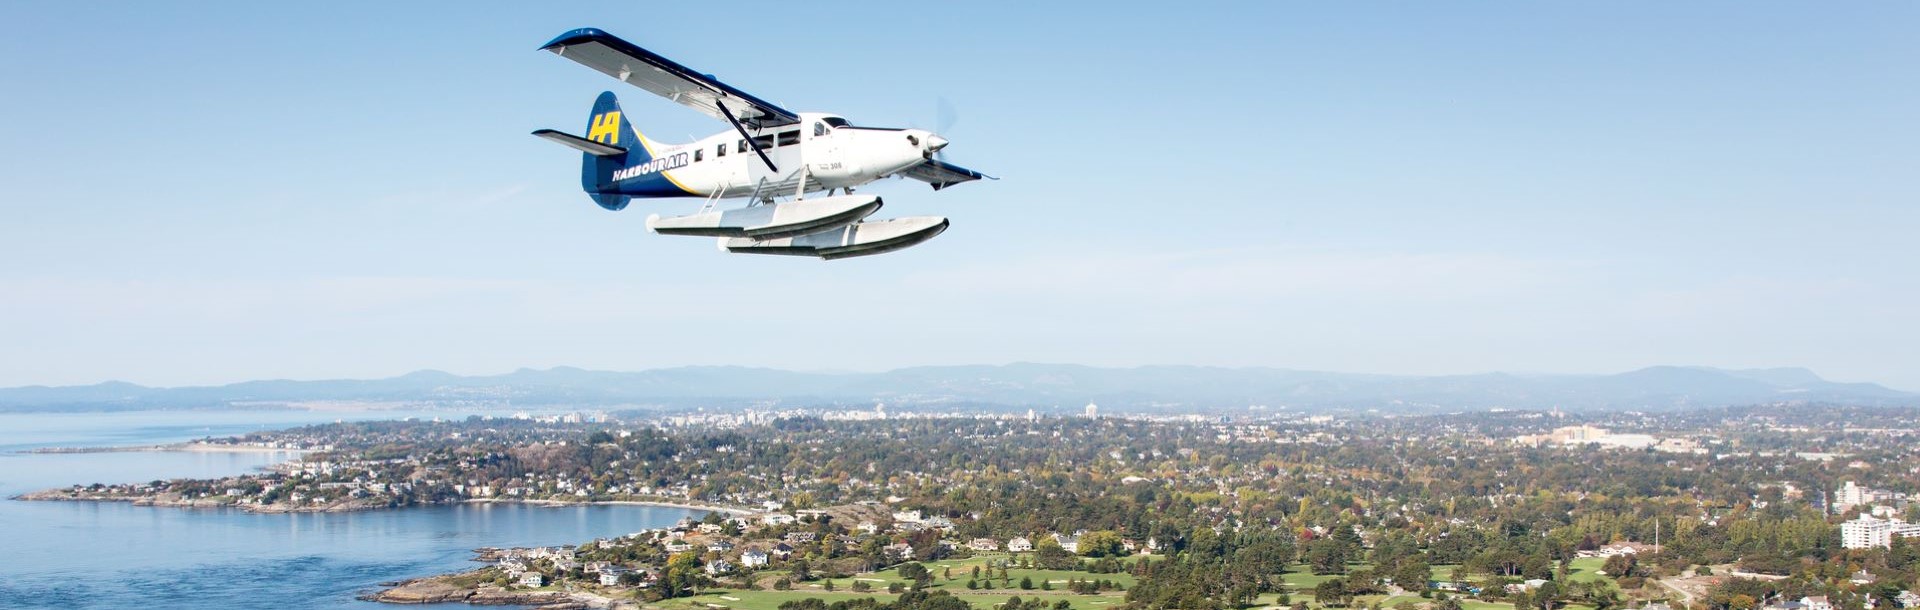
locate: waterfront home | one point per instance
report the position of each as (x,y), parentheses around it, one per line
(1019,545)
(533,579)
(753,559)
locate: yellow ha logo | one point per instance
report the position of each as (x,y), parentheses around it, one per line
(606,128)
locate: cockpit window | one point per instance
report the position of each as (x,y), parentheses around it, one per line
(834,121)
(819,129)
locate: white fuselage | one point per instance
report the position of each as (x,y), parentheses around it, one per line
(821,152)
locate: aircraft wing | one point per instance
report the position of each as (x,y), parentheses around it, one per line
(664,77)
(941,174)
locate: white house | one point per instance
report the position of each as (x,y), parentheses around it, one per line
(1019,545)
(1907,599)
(984,544)
(1070,544)
(720,566)
(753,559)
(610,575)
(533,579)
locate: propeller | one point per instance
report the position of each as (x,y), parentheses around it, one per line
(945,116)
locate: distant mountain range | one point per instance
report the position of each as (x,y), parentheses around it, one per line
(1013,386)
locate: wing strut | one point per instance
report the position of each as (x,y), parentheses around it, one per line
(743,133)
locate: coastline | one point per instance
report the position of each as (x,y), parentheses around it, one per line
(449,588)
(69,494)
(190,446)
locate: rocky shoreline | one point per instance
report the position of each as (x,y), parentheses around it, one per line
(178,501)
(444,590)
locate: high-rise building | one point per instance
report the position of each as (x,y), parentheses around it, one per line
(1093,411)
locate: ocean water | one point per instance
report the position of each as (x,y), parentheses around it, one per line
(115,555)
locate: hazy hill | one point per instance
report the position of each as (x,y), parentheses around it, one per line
(1021,385)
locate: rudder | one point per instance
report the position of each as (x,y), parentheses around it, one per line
(607,124)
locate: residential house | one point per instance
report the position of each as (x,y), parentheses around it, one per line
(1070,544)
(753,559)
(719,546)
(610,575)
(899,551)
(678,546)
(533,579)
(720,566)
(800,537)
(781,550)
(984,544)
(1907,599)
(1815,602)
(1019,545)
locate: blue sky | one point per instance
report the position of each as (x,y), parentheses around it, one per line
(214,192)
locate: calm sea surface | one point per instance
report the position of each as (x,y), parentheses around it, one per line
(113,555)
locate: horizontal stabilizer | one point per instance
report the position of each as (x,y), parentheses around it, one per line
(581,144)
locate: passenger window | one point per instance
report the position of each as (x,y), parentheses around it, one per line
(819,129)
(743,147)
(720,151)
(763,142)
(698,154)
(789,138)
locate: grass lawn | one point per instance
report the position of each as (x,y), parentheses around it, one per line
(771,600)
(962,569)
(1586,569)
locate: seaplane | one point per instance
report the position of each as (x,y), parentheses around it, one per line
(772,158)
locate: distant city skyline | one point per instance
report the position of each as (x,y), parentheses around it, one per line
(240,191)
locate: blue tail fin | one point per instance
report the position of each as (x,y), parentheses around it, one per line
(608,125)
